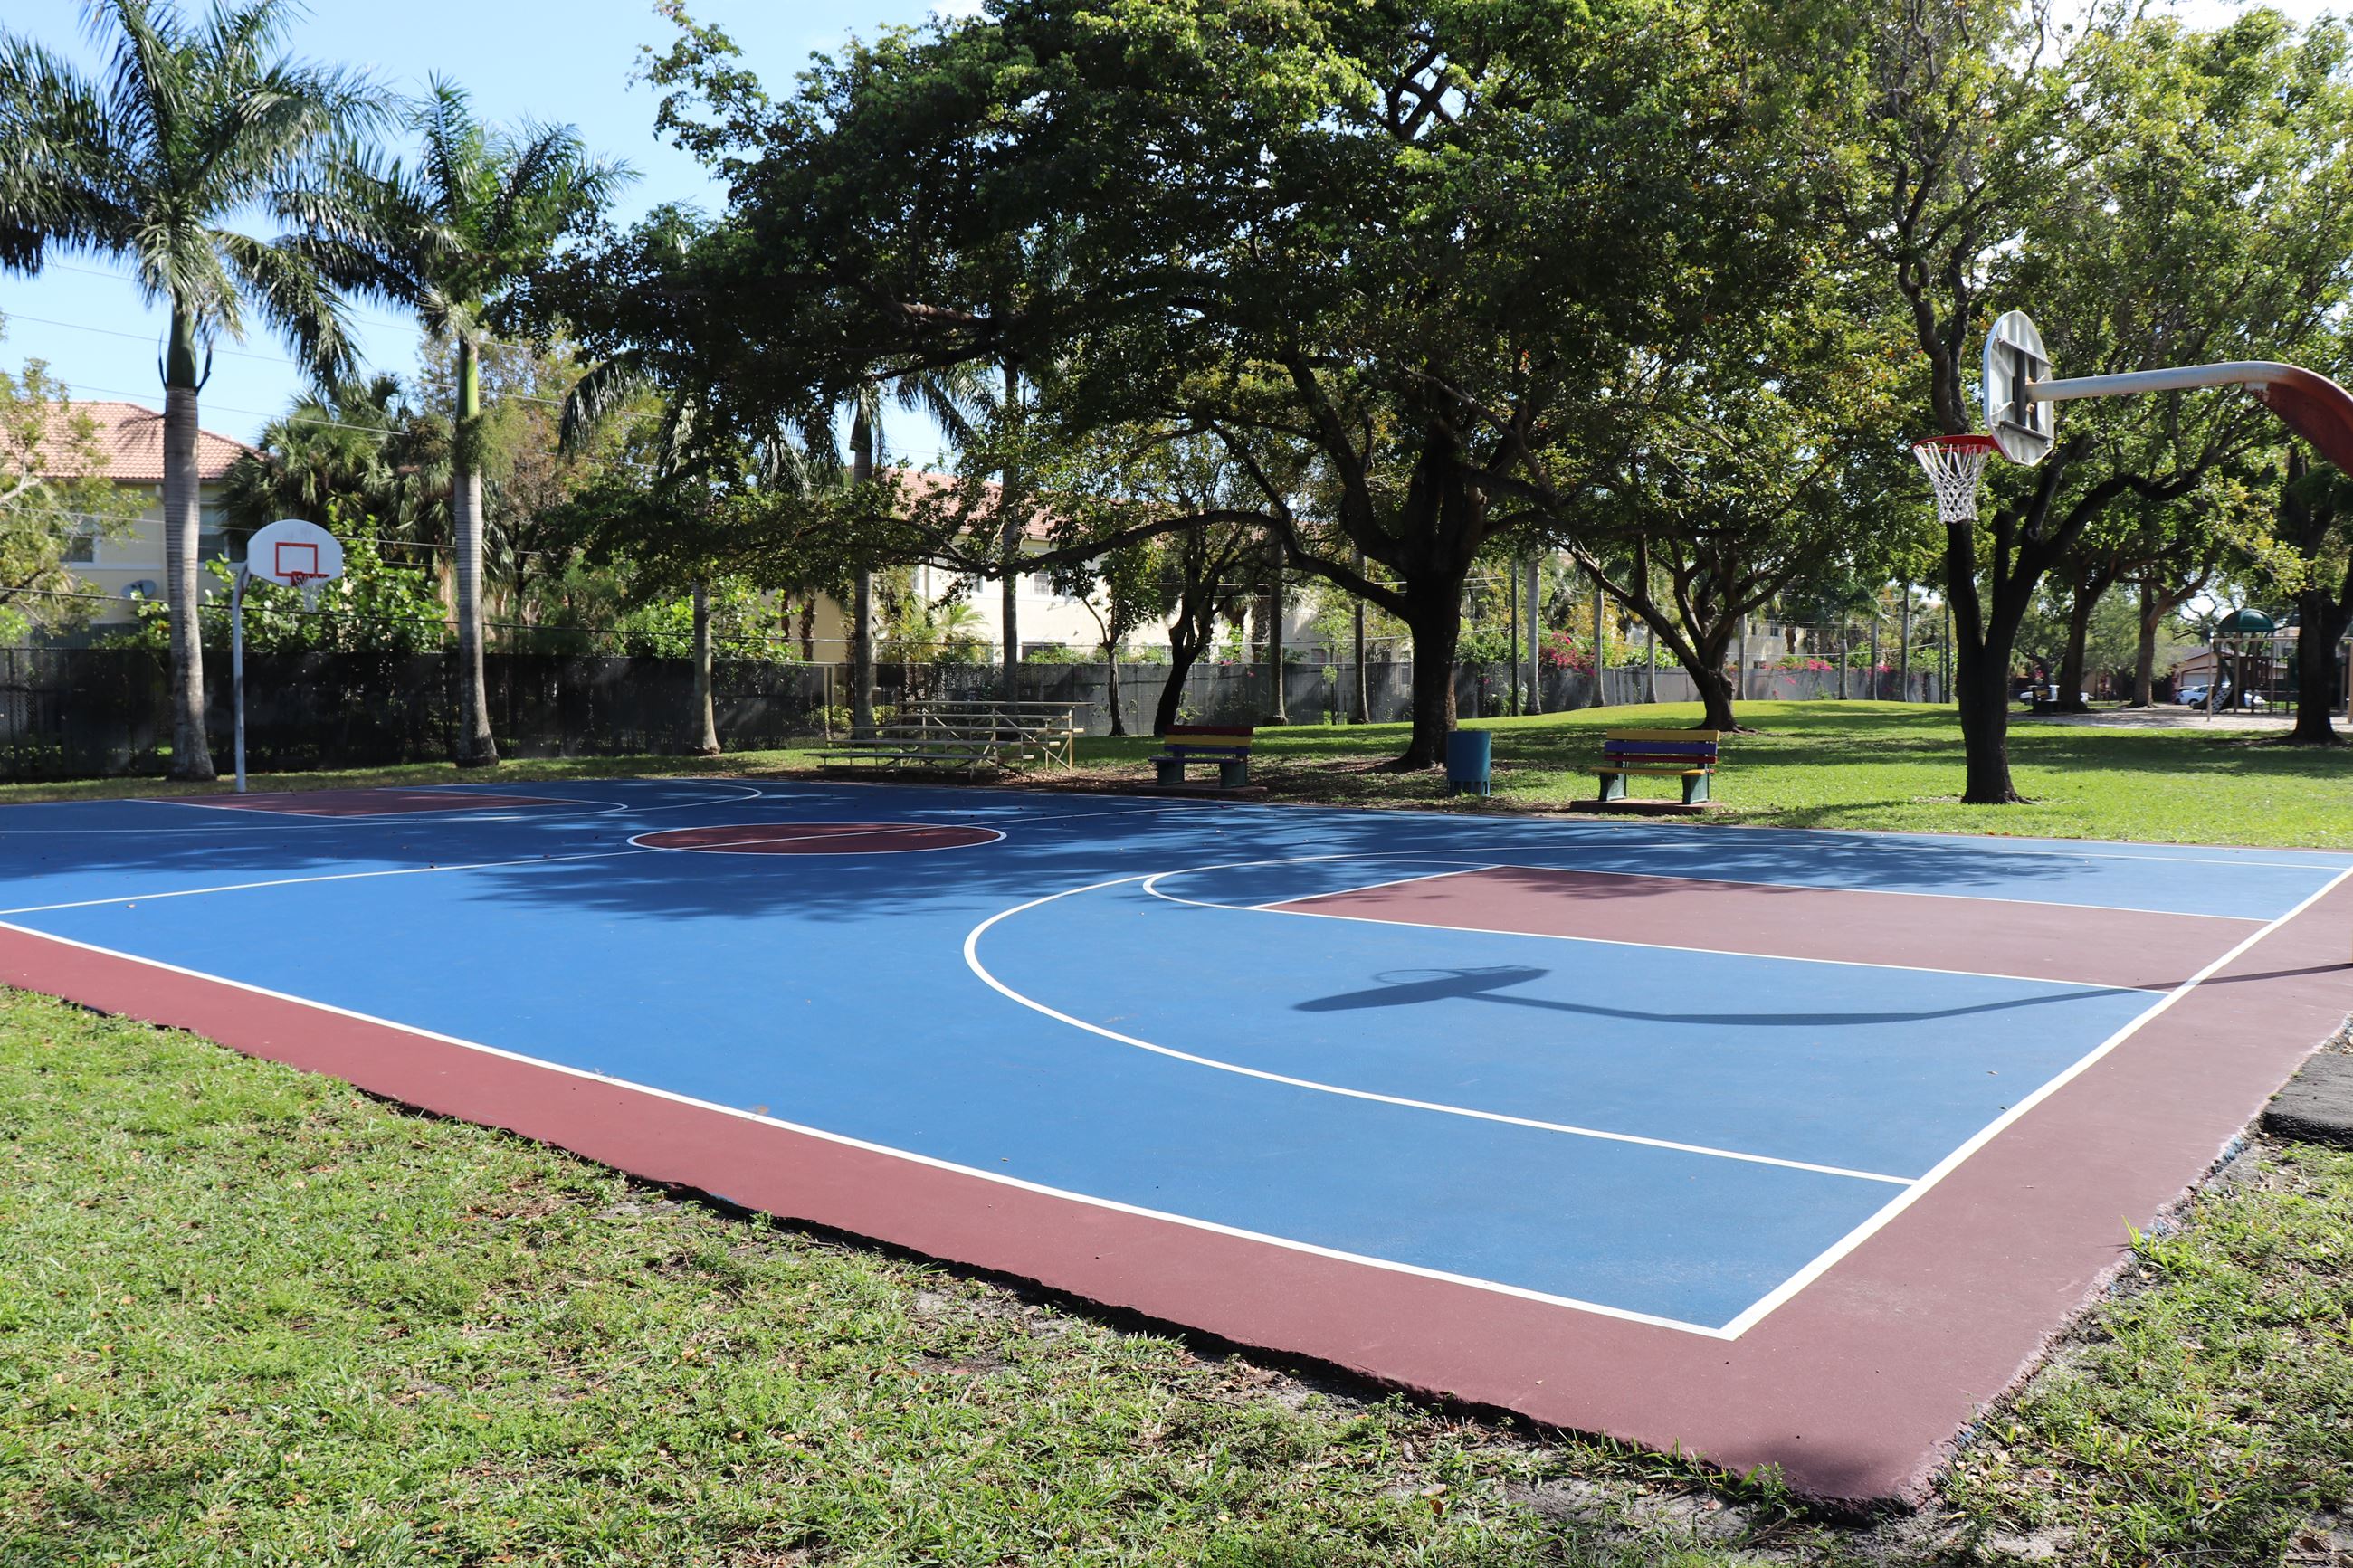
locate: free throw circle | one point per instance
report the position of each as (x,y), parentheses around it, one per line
(818,837)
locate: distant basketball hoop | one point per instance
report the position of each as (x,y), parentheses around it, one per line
(291,554)
(295,554)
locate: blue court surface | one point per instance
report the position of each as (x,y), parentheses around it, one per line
(1098,997)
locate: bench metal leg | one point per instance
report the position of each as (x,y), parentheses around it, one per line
(1233,773)
(1172,770)
(1613,786)
(1696,790)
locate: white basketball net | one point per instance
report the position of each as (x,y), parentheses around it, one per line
(1954,465)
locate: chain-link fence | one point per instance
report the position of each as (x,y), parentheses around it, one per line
(87,712)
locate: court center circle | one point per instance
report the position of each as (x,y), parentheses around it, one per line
(819,837)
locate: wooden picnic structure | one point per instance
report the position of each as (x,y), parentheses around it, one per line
(963,737)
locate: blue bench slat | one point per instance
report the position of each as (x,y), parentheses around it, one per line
(1661,748)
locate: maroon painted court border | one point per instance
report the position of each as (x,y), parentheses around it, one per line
(362,802)
(819,837)
(1855,1387)
(2060,943)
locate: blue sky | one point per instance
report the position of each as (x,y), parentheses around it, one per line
(521,59)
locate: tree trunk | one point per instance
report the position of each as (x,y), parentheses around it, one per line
(1008,540)
(1715,696)
(1981,688)
(1601,647)
(1110,686)
(192,756)
(2152,615)
(2320,626)
(1184,652)
(705,734)
(1364,680)
(1280,710)
(1904,652)
(1435,617)
(808,629)
(1535,639)
(1981,654)
(861,610)
(475,747)
(2070,695)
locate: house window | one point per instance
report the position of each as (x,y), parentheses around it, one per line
(82,549)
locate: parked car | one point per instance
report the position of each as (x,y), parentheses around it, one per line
(2195,696)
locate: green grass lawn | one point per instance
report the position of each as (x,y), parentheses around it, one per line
(1799,764)
(250,1316)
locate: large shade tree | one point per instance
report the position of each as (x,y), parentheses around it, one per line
(2157,196)
(191,123)
(1398,248)
(460,235)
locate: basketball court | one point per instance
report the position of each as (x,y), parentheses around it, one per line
(1785,1147)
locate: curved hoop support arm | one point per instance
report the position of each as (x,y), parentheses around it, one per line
(2306,401)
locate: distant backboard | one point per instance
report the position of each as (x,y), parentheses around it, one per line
(2014,358)
(293,553)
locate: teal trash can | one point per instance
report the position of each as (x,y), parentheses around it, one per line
(1469,760)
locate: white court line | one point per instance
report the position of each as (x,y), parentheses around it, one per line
(1289,907)
(274,820)
(929,1162)
(1945,1166)
(327,876)
(972,960)
(522,860)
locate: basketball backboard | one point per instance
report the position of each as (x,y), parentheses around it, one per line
(293,553)
(2014,358)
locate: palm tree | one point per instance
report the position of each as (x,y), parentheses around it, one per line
(456,239)
(362,443)
(191,121)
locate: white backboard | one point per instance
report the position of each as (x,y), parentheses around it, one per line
(291,552)
(2014,357)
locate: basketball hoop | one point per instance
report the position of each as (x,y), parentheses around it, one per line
(307,584)
(1955,464)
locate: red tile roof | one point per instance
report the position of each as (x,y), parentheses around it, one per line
(926,483)
(130,442)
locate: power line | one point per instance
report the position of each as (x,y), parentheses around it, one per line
(137,337)
(249,353)
(123,277)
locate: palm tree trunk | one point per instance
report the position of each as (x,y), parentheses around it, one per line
(1362,694)
(861,608)
(1010,542)
(1280,710)
(706,722)
(475,747)
(190,746)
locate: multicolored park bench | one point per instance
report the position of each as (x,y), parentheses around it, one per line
(1228,745)
(1687,754)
